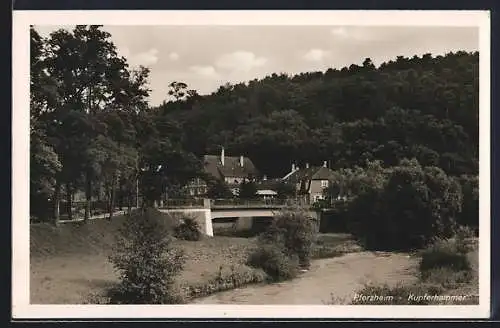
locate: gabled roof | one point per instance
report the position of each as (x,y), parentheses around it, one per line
(231,168)
(311,173)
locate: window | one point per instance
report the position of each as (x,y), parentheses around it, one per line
(324,183)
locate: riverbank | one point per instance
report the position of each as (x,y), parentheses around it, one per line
(338,277)
(70,263)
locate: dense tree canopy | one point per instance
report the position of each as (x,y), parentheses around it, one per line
(423,107)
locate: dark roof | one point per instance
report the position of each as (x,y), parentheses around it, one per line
(311,173)
(268,184)
(231,168)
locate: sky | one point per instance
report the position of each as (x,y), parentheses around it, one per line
(205,57)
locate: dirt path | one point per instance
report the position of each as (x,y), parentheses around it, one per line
(340,277)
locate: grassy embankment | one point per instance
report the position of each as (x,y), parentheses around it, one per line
(70,262)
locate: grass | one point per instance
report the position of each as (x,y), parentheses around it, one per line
(70,262)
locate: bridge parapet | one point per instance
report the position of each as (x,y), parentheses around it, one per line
(231,203)
(257,203)
(183,203)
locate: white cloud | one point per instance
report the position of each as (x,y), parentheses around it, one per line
(240,61)
(340,32)
(206,71)
(147,58)
(173,56)
(315,55)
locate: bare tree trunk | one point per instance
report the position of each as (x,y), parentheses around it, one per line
(88,196)
(69,202)
(112,197)
(57,201)
(129,203)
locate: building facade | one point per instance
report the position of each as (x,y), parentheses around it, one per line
(233,170)
(310,181)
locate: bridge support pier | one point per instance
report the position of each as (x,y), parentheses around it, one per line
(202,216)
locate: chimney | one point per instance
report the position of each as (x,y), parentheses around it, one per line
(222,156)
(293,167)
(264,178)
(241,160)
(307,165)
(324,164)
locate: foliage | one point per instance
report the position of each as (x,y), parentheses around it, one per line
(447,277)
(218,189)
(333,245)
(470,208)
(424,107)
(225,280)
(293,230)
(350,183)
(247,190)
(284,190)
(417,204)
(444,254)
(189,229)
(44,164)
(146,262)
(275,262)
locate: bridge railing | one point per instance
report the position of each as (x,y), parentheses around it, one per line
(182,203)
(255,202)
(231,203)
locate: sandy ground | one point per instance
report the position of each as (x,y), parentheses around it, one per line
(336,278)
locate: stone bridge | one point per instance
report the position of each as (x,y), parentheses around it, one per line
(206,210)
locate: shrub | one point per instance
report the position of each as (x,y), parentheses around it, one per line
(416,205)
(321,251)
(146,262)
(294,231)
(470,210)
(188,229)
(447,277)
(226,280)
(273,261)
(444,254)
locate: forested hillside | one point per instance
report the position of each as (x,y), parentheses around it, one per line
(423,107)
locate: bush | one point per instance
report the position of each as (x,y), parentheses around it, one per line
(447,277)
(226,281)
(293,231)
(444,254)
(470,210)
(273,261)
(188,229)
(146,262)
(416,205)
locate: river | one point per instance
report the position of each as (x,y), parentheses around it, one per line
(333,279)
